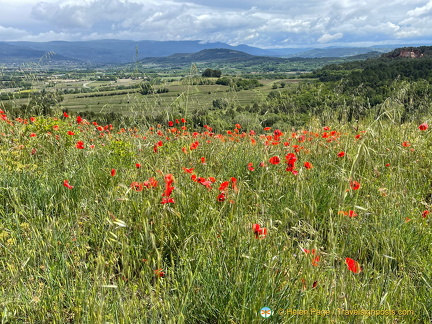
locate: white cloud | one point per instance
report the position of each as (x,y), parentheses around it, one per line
(327,38)
(261,23)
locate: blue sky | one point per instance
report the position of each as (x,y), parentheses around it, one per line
(265,24)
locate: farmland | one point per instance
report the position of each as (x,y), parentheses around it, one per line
(185,199)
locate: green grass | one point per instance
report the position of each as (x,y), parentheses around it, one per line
(89,254)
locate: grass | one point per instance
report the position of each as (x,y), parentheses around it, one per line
(103,252)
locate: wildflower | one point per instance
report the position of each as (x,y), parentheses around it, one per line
(308,165)
(170,123)
(203,160)
(315,261)
(65,114)
(353,265)
(267,128)
(354,185)
(250,167)
(234,184)
(259,232)
(136,186)
(33,135)
(406,144)
(79,119)
(168,200)
(423,127)
(274,160)
(194,145)
(159,273)
(79,145)
(113,172)
(138,165)
(188,170)
(66,184)
(341,154)
(425,213)
(221,197)
(387,165)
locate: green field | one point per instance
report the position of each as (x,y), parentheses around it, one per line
(172,225)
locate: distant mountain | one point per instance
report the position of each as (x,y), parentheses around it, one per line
(121,51)
(13,54)
(207,55)
(340,51)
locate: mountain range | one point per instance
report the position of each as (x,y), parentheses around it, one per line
(123,51)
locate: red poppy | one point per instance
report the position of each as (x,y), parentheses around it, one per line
(221,197)
(423,127)
(203,160)
(274,160)
(308,165)
(259,232)
(183,120)
(33,135)
(267,128)
(137,165)
(326,128)
(352,213)
(315,261)
(170,123)
(113,172)
(66,184)
(136,186)
(150,183)
(70,133)
(224,185)
(354,185)
(425,213)
(353,265)
(167,200)
(79,120)
(250,167)
(188,170)
(194,145)
(341,154)
(65,114)
(79,145)
(159,273)
(406,144)
(387,165)
(234,184)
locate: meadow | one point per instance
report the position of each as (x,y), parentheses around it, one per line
(173,224)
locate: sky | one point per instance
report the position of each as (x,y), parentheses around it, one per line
(259,23)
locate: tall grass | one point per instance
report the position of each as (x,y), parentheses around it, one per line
(103,252)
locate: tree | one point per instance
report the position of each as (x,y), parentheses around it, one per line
(209,73)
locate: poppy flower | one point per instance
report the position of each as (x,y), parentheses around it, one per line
(167,200)
(353,265)
(113,172)
(224,185)
(137,165)
(79,145)
(341,154)
(260,232)
(159,273)
(221,197)
(33,135)
(170,123)
(250,167)
(79,119)
(66,184)
(274,160)
(267,128)
(315,261)
(188,170)
(308,165)
(406,144)
(425,213)
(136,186)
(183,120)
(203,160)
(354,185)
(65,114)
(423,127)
(194,145)
(234,184)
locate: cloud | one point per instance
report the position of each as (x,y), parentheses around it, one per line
(327,38)
(260,23)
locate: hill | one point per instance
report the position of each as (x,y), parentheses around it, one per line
(113,51)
